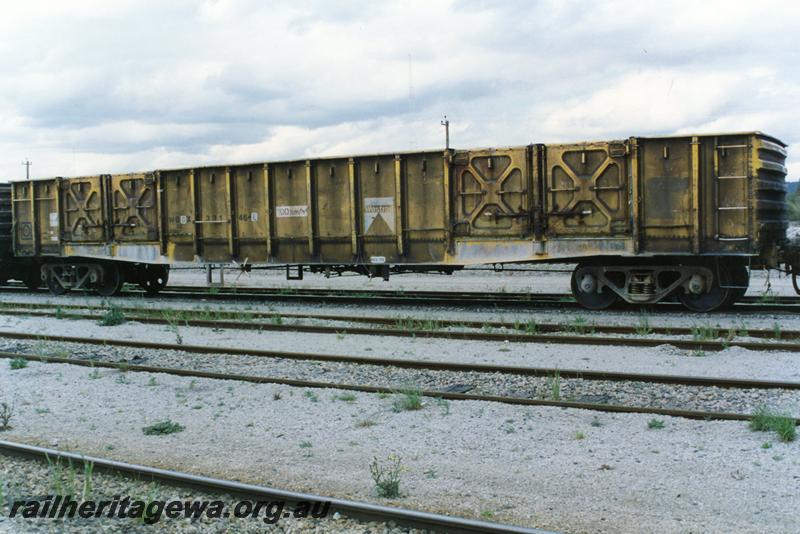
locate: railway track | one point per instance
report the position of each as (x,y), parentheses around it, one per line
(413,364)
(358,510)
(706,338)
(447,395)
(770,304)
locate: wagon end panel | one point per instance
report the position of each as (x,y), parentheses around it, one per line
(768,193)
(586,190)
(250,213)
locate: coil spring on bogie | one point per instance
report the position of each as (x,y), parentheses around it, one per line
(642,284)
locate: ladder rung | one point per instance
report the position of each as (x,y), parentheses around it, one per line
(731,177)
(721,208)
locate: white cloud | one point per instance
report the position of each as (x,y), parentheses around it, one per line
(95,86)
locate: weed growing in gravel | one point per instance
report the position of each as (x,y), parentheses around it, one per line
(276,320)
(407,400)
(698,353)
(387,478)
(346,397)
(310,395)
(341,335)
(409,323)
(6,414)
(95,374)
(88,470)
(596,422)
(580,435)
(112,317)
(705,332)
(776,329)
(430,473)
(276,396)
(306,445)
(162,428)
(783,424)
(580,325)
(173,325)
(554,385)
(487,514)
(643,328)
(655,424)
(766,445)
(18,363)
(59,312)
(152,382)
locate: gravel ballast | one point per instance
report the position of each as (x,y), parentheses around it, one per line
(560,469)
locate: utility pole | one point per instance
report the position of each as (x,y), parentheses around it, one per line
(446,124)
(27,164)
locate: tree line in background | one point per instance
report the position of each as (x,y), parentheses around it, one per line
(793,196)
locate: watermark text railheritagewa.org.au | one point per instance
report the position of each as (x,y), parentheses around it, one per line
(151,512)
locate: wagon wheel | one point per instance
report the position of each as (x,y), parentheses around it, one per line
(155,280)
(584,288)
(111,283)
(715,297)
(53,284)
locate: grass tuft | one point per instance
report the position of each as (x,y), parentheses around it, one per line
(18,363)
(162,428)
(387,478)
(112,317)
(782,424)
(655,424)
(407,400)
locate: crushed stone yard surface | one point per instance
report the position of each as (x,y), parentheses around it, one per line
(734,362)
(568,470)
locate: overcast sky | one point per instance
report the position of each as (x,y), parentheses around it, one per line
(104,86)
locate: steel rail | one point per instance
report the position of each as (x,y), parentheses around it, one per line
(402,324)
(447,395)
(359,510)
(528,300)
(586,338)
(614,376)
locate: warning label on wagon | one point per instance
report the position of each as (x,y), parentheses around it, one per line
(291,211)
(379,215)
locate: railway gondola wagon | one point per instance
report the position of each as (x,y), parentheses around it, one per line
(644,219)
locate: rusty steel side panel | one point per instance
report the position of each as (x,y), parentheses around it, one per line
(334,225)
(177,214)
(492,189)
(83,209)
(378,199)
(586,189)
(134,207)
(291,212)
(250,213)
(37,223)
(667,189)
(424,228)
(213,217)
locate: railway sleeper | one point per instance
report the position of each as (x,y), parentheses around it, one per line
(699,287)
